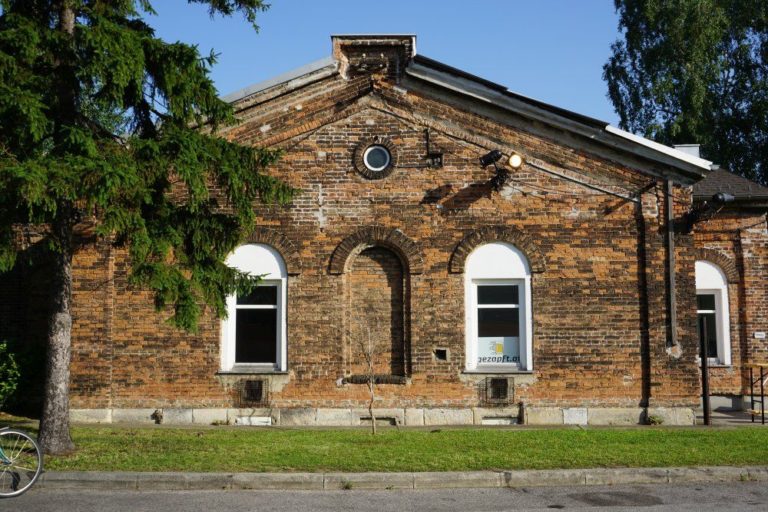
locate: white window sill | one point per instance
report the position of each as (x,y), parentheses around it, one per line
(713,363)
(498,371)
(244,370)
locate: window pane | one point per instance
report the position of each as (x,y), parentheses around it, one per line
(498,322)
(506,294)
(708,326)
(705,302)
(498,350)
(261,295)
(256,336)
(377,158)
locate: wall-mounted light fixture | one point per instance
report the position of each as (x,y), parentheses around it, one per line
(706,210)
(490,158)
(502,175)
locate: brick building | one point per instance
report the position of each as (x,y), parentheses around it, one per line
(732,275)
(542,284)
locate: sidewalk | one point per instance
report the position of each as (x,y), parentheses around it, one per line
(336,481)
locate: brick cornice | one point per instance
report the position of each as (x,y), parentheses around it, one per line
(727,264)
(281,244)
(394,239)
(490,234)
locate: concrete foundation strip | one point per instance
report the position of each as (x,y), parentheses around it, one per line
(355,481)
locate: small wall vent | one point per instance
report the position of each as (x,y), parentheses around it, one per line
(498,391)
(252,393)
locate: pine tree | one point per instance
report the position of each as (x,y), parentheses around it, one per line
(695,71)
(102,122)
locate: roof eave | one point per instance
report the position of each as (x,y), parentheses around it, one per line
(290,80)
(683,167)
(748,201)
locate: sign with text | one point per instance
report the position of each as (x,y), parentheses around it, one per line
(498,350)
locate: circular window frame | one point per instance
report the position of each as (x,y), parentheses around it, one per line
(376,147)
(363,149)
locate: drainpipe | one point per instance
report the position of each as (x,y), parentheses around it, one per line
(705,374)
(673,347)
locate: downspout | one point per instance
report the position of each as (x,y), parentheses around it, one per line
(673,346)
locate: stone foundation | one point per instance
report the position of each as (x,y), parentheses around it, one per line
(411,417)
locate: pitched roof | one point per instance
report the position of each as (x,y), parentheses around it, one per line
(721,180)
(680,166)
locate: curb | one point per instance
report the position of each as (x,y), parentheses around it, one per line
(167,481)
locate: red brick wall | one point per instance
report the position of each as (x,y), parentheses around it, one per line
(599,314)
(737,241)
(375,313)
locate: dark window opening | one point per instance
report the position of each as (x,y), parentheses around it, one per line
(707,322)
(259,296)
(708,326)
(492,322)
(256,336)
(502,294)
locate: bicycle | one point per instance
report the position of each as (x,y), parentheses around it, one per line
(21,462)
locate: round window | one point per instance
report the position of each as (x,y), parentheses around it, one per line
(376,158)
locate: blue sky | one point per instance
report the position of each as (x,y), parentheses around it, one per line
(551,50)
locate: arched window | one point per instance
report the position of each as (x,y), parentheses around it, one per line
(498,309)
(712,311)
(254,332)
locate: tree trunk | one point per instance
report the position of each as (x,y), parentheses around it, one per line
(54,423)
(372,389)
(66,17)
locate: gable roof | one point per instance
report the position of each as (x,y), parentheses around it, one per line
(742,189)
(675,164)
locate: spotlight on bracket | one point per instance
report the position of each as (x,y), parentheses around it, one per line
(706,210)
(723,198)
(490,158)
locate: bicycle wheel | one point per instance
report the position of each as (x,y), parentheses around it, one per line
(20,462)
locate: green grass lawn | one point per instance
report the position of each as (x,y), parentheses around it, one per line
(266,449)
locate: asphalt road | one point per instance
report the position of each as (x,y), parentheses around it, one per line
(746,496)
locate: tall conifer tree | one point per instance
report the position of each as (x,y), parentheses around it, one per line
(102,122)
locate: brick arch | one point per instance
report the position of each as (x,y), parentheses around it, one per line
(489,234)
(726,264)
(393,239)
(281,244)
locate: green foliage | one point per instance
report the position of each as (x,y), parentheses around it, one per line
(29,360)
(9,373)
(694,71)
(108,124)
(654,420)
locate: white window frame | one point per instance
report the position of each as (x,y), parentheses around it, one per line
(710,280)
(263,260)
(498,263)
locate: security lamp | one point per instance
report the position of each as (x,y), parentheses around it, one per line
(490,158)
(722,198)
(705,211)
(515,161)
